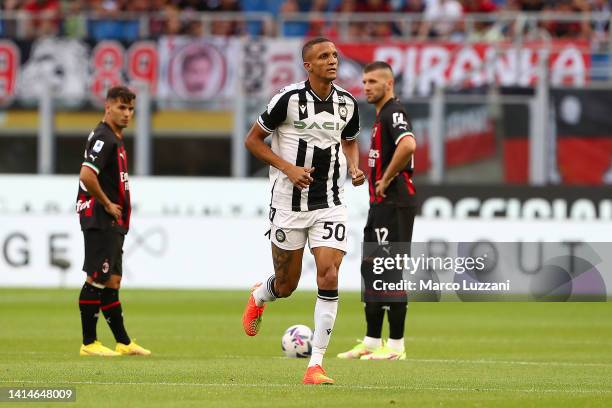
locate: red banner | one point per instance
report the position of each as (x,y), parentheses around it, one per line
(420,66)
(9,64)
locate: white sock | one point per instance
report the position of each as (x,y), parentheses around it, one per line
(396,344)
(264,293)
(372,343)
(325,311)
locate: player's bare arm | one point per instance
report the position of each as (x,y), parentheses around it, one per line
(299,176)
(351,151)
(401,157)
(90,180)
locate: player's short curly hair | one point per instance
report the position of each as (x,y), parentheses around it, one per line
(121,92)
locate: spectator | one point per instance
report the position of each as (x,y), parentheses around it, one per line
(377,29)
(293,28)
(224,27)
(415,8)
(44,17)
(373,6)
(74,24)
(481,29)
(569,29)
(355,30)
(193,5)
(321,26)
(106,23)
(159,17)
(479,6)
(601,26)
(441,19)
(8,26)
(531,5)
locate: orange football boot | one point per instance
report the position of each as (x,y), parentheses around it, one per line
(251,318)
(316,375)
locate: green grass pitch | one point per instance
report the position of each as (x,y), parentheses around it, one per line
(459,354)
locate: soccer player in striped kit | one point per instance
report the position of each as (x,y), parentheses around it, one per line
(314,125)
(104,208)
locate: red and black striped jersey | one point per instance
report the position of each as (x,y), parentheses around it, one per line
(391,125)
(105,154)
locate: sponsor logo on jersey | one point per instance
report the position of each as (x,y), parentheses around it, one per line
(372,156)
(124,177)
(83,205)
(300,124)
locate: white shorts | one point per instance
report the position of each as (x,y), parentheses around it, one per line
(323,228)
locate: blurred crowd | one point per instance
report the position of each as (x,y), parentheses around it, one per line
(123,19)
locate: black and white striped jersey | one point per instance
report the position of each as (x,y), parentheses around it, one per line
(307,131)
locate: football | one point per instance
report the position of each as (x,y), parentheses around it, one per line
(297,341)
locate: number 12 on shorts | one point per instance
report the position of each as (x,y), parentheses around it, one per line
(381,235)
(338,231)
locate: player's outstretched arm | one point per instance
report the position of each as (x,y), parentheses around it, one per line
(90,179)
(351,151)
(402,155)
(299,176)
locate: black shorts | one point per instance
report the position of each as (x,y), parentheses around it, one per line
(389,223)
(388,232)
(103,254)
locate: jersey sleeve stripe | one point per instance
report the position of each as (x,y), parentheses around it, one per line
(400,137)
(354,136)
(261,124)
(91,166)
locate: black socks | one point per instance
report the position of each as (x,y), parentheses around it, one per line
(375,314)
(89,305)
(397,319)
(111,307)
(374,318)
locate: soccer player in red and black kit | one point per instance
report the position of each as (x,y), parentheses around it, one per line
(392,207)
(103,204)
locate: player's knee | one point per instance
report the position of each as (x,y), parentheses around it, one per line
(114,282)
(327,277)
(285,289)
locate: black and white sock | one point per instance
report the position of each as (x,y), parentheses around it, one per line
(325,312)
(265,292)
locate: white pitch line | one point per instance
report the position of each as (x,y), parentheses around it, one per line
(478,361)
(359,387)
(508,341)
(511,362)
